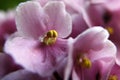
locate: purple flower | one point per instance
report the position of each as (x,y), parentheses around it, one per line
(115,73)
(11,71)
(107,15)
(78,22)
(7,65)
(7,26)
(39,45)
(76,14)
(90,55)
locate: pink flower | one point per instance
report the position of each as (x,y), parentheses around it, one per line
(76,14)
(39,45)
(90,55)
(9,70)
(78,22)
(7,65)
(114,73)
(7,26)
(107,15)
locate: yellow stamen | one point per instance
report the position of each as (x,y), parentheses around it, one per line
(113,77)
(50,33)
(110,30)
(50,37)
(84,62)
(55,34)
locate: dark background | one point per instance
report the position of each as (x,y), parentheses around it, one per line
(9,4)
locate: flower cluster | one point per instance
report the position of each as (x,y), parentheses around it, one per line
(61,40)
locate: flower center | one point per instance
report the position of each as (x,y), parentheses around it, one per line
(50,37)
(110,30)
(113,77)
(84,62)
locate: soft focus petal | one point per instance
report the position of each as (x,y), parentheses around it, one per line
(23,75)
(108,51)
(95,13)
(97,1)
(7,65)
(101,60)
(92,38)
(36,56)
(118,56)
(29,19)
(115,71)
(7,26)
(105,67)
(85,74)
(94,45)
(99,69)
(58,18)
(112,4)
(79,25)
(69,64)
(42,2)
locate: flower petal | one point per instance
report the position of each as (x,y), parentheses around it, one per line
(23,75)
(91,39)
(79,25)
(115,71)
(35,56)
(69,65)
(105,67)
(108,51)
(7,65)
(29,19)
(58,18)
(118,56)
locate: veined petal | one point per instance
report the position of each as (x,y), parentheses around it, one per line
(92,39)
(58,18)
(29,56)
(108,51)
(29,19)
(35,56)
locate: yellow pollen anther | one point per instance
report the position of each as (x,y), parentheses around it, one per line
(52,33)
(50,37)
(113,77)
(55,34)
(110,30)
(84,62)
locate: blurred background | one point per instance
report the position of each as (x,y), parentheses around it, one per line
(9,4)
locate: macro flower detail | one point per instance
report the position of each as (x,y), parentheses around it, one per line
(83,62)
(39,45)
(113,77)
(91,52)
(107,14)
(50,37)
(110,30)
(114,73)
(61,40)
